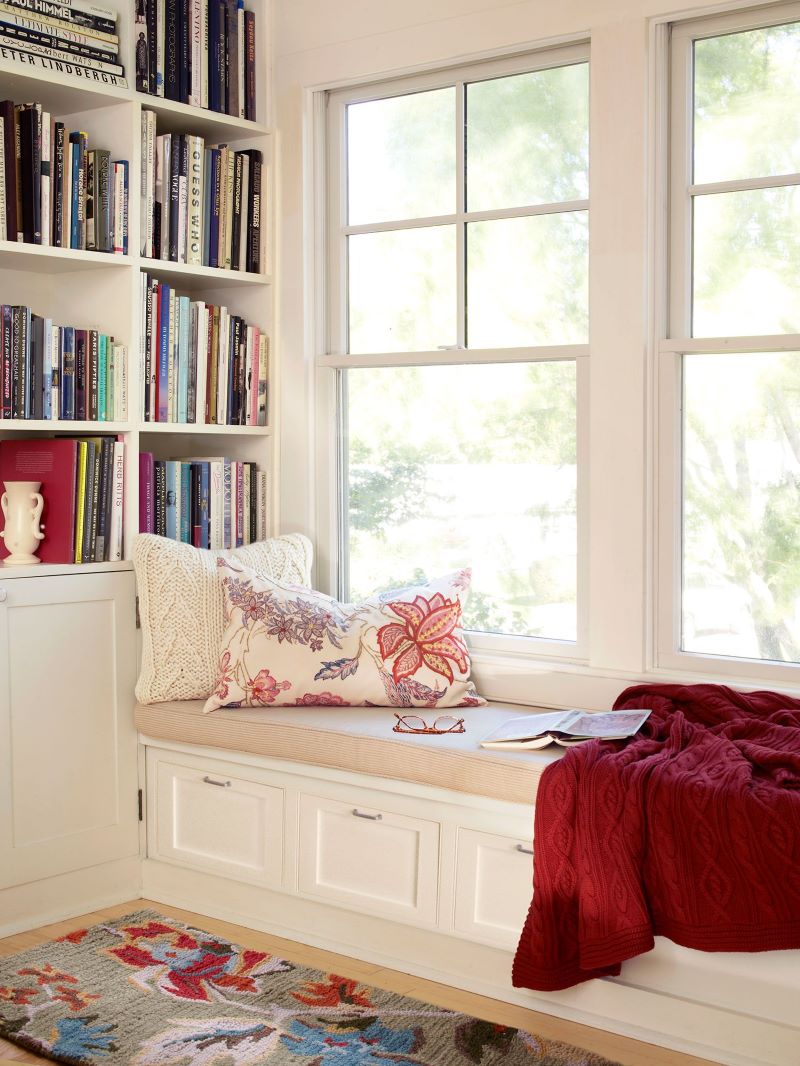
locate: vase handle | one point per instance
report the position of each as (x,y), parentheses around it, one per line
(4,505)
(36,514)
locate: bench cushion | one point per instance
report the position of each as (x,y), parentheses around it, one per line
(361,740)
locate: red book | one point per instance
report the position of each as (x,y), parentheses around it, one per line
(146,503)
(54,463)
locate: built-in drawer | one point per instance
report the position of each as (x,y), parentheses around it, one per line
(212,819)
(369,858)
(494,883)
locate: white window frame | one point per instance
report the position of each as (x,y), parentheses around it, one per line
(674,334)
(331,360)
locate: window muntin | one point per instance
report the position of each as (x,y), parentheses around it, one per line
(502,270)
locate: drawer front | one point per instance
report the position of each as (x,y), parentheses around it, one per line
(212,821)
(369,859)
(494,885)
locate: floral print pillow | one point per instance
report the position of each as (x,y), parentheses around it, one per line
(288,646)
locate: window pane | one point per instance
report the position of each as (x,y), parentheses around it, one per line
(527,281)
(528,139)
(454,466)
(747,262)
(401,157)
(403,290)
(741,565)
(747,104)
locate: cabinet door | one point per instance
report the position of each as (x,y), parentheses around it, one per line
(211,819)
(494,879)
(369,858)
(68,777)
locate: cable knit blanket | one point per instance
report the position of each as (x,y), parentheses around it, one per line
(691,830)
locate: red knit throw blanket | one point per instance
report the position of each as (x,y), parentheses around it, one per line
(691,830)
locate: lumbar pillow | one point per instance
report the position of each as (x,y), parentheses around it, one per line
(181,610)
(287,646)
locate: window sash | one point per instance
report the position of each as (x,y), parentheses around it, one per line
(675,339)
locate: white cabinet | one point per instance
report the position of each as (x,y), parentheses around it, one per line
(369,857)
(494,875)
(213,817)
(68,788)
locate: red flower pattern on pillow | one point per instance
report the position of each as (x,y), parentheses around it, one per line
(425,639)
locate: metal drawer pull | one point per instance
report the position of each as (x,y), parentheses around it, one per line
(372,817)
(219,784)
(523,850)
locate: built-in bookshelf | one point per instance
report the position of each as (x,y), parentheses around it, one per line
(103,292)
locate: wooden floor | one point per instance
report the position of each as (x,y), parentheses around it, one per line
(617,1048)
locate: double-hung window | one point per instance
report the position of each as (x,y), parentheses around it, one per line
(730,368)
(457,315)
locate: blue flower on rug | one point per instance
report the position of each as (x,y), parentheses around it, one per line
(368,1043)
(77,1038)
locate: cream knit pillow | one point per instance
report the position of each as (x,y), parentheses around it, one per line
(181,609)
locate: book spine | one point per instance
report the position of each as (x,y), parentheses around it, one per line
(10,165)
(186,503)
(232,52)
(160,494)
(202,363)
(236,214)
(185,50)
(227,469)
(66,32)
(80,375)
(26,136)
(230,160)
(213,369)
(263,500)
(214,57)
(171,490)
(196,52)
(88,512)
(121,383)
(60,66)
(93,375)
(204,504)
(8,380)
(35,357)
(3,205)
(116,522)
(240,60)
(250,66)
(104,473)
(51,37)
(69,13)
(161,34)
(118,216)
(80,503)
(25,362)
(45,168)
(254,213)
(171,51)
(143,47)
(182,383)
(56,52)
(68,375)
(121,165)
(194,251)
(251,348)
(58,185)
(91,203)
(163,354)
(183,197)
(204,53)
(75,184)
(54,373)
(216,193)
(103,222)
(102,377)
(173,357)
(174,197)
(263,378)
(146,493)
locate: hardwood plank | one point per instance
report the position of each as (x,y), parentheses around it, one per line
(617,1048)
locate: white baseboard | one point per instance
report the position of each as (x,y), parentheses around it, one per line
(69,895)
(726,1036)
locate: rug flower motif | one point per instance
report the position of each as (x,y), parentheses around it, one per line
(150,991)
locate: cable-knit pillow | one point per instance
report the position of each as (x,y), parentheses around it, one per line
(181,609)
(289,646)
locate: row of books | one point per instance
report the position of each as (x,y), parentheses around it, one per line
(54,189)
(59,373)
(198,52)
(199,204)
(83,486)
(210,502)
(76,37)
(199,362)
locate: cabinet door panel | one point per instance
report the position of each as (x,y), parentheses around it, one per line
(370,859)
(213,821)
(494,875)
(67,648)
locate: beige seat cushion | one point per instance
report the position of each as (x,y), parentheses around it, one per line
(361,739)
(181,609)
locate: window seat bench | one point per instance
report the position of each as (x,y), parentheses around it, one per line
(322,825)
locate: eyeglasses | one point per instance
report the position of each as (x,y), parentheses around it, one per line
(445,723)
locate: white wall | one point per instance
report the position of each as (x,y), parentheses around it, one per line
(321,43)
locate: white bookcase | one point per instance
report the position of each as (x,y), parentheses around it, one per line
(70,831)
(94,290)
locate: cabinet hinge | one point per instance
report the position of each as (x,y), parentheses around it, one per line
(138,619)
(141,805)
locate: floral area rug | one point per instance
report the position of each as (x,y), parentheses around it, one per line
(145,990)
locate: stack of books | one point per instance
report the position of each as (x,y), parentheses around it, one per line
(82,484)
(59,372)
(56,190)
(211,502)
(198,52)
(199,362)
(74,37)
(199,204)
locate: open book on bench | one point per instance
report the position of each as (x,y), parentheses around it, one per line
(565,728)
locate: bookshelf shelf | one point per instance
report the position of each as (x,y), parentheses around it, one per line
(43,259)
(213,126)
(48,426)
(63,93)
(61,569)
(194,278)
(203,430)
